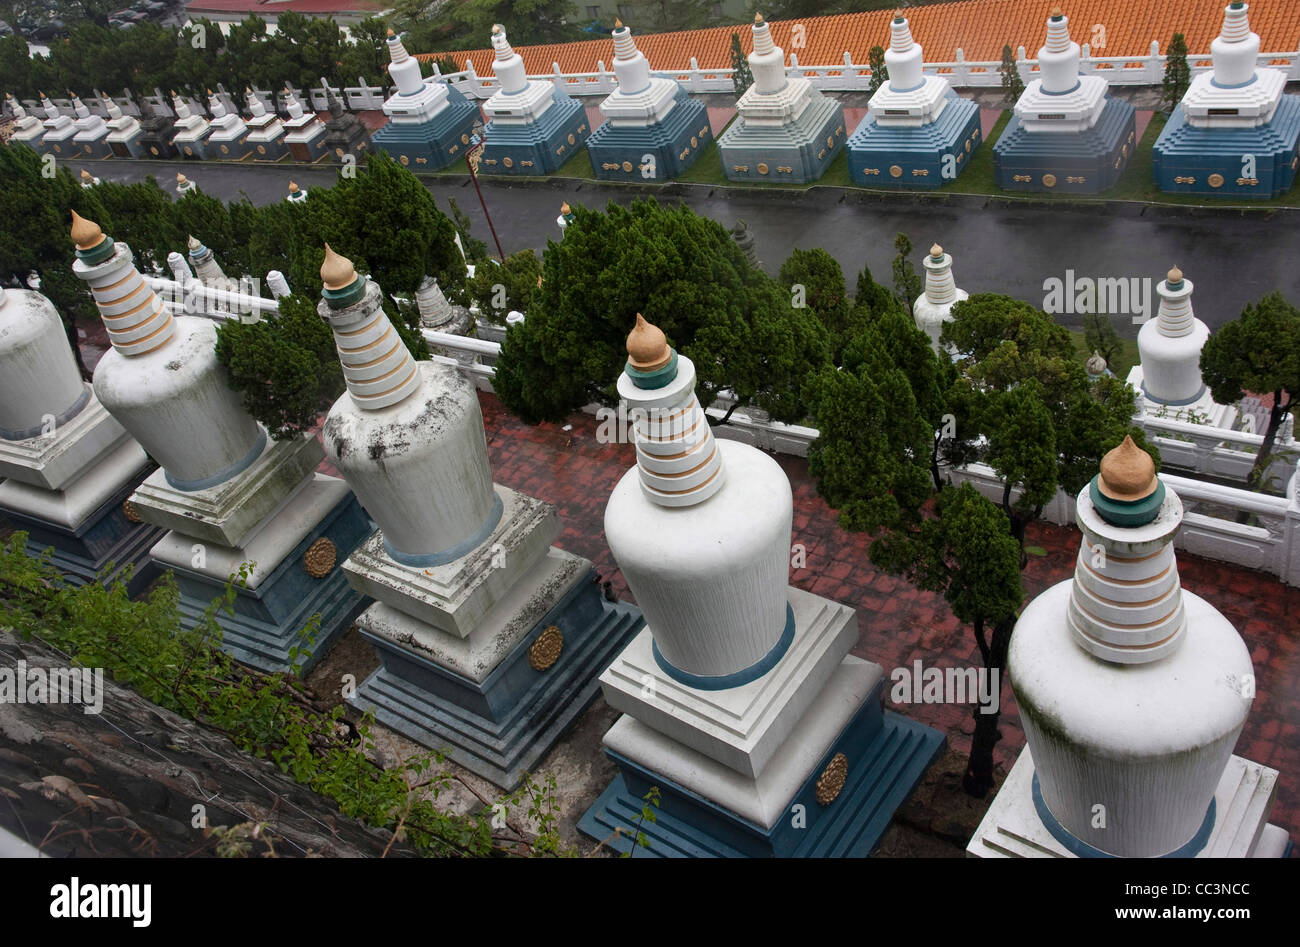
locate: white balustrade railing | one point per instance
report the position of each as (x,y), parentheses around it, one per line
(845,76)
(193,298)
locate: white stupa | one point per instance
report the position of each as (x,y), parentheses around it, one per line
(224,488)
(1235,133)
(297,194)
(125,131)
(305,133)
(653,129)
(228,138)
(67,464)
(206,267)
(91,139)
(28,129)
(534,126)
(88,180)
(59,130)
(785,130)
(1067,133)
(740,698)
(265,130)
(436,310)
(192,130)
(183,184)
(490,637)
(430,122)
(934,306)
(1132,692)
(1169,349)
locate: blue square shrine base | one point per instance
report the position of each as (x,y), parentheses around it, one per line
(887,754)
(501,727)
(268,620)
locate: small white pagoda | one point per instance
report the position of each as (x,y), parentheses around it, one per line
(125,131)
(1169,370)
(934,306)
(192,130)
(265,130)
(28,129)
(305,133)
(59,130)
(228,138)
(91,140)
(429,122)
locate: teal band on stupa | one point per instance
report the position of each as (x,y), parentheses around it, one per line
(347,296)
(1126,512)
(98,253)
(653,379)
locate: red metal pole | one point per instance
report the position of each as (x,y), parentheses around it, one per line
(474,177)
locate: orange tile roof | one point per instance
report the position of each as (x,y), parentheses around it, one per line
(979,27)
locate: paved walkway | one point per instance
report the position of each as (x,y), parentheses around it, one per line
(899,624)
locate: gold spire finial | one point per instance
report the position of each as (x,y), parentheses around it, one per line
(647,346)
(539,280)
(293,187)
(758,18)
(390,32)
(497,28)
(618,24)
(337,272)
(1175,275)
(936,251)
(85,175)
(85,233)
(1056,13)
(565,208)
(193,243)
(181,179)
(1127,473)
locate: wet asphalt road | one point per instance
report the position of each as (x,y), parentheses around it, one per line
(1231,257)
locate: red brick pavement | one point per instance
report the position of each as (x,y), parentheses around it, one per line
(899,624)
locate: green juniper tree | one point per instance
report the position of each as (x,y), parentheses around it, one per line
(879,73)
(1012,85)
(815,281)
(500,288)
(1178,75)
(741,77)
(685,274)
(907,282)
(1258,352)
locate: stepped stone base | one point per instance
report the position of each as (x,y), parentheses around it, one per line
(281,596)
(268,149)
(916,158)
(539,147)
(86,523)
(1209,161)
(799,151)
(796,808)
(501,724)
(1085,162)
(619,153)
(435,144)
(1012,827)
(230,149)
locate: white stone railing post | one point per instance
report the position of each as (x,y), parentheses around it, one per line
(1155,69)
(960,70)
(1290,560)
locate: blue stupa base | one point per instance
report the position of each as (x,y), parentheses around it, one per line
(94,150)
(926,157)
(1213,161)
(273,149)
(888,754)
(539,147)
(797,152)
(501,727)
(620,154)
(1085,162)
(435,144)
(230,149)
(105,547)
(192,150)
(131,147)
(268,620)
